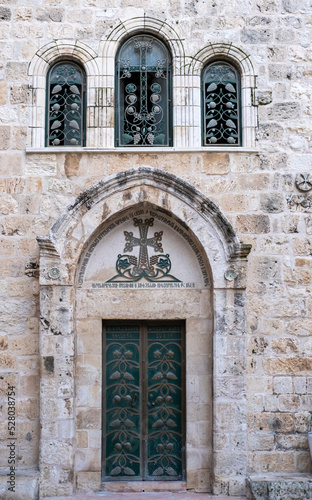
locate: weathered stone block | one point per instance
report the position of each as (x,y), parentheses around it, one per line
(5,14)
(280,72)
(17,71)
(4,92)
(277,422)
(272,202)
(285,345)
(257,224)
(284,111)
(276,53)
(88,481)
(264,97)
(287,365)
(256,36)
(50,14)
(272,132)
(89,418)
(5,135)
(278,488)
(216,163)
(26,488)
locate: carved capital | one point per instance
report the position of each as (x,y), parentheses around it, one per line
(241,251)
(47,246)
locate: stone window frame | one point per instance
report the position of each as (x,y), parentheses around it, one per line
(236,57)
(45,58)
(108,50)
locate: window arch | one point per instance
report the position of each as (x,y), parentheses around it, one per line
(66,105)
(221,105)
(143,94)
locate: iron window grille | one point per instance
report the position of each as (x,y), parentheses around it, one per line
(221,105)
(66,105)
(143,97)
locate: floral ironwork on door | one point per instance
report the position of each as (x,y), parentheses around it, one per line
(122,403)
(143,431)
(164,401)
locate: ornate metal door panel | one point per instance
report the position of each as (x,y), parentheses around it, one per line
(164,385)
(122,402)
(143,426)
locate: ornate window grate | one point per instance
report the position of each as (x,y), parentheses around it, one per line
(221,98)
(143,106)
(66,105)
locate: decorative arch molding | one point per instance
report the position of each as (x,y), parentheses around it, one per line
(160,28)
(221,51)
(38,68)
(63,49)
(66,310)
(144,176)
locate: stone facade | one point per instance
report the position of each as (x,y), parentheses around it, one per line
(246,210)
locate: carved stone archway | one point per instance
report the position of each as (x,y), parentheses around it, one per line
(70,415)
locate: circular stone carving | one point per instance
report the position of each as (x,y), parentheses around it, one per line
(304,182)
(230,274)
(54,273)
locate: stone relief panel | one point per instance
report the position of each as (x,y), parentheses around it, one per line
(145,249)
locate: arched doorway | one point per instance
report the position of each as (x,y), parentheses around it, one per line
(95,266)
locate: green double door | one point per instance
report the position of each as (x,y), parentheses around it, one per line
(143,403)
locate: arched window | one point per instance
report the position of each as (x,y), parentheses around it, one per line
(66,105)
(143,101)
(221,105)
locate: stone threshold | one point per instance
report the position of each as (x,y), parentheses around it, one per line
(143,486)
(284,486)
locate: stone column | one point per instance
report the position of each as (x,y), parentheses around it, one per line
(56,460)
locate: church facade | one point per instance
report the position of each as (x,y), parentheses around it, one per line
(156,247)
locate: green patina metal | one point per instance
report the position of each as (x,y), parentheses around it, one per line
(66,105)
(165,442)
(143,105)
(221,97)
(122,401)
(143,402)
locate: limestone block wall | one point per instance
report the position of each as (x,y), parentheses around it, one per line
(263,188)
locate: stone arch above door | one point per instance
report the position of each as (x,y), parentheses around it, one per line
(74,229)
(69,460)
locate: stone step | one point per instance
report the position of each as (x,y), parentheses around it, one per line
(279,487)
